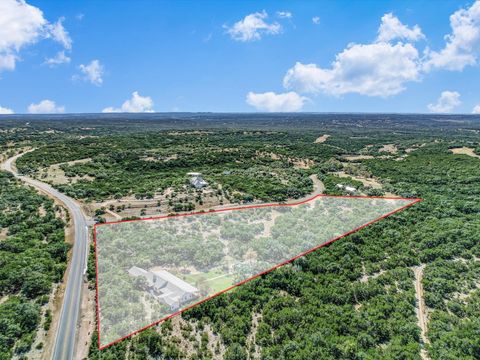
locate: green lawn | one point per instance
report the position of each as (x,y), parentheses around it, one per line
(216,279)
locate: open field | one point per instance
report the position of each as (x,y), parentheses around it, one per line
(465,151)
(216,279)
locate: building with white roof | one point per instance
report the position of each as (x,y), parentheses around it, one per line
(197,180)
(166,287)
(347,188)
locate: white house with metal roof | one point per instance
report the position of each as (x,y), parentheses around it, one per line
(196,180)
(166,287)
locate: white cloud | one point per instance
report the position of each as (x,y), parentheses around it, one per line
(5,111)
(92,72)
(59,34)
(252,27)
(272,102)
(378,69)
(476,109)
(462,44)
(45,107)
(284,14)
(22,24)
(447,101)
(136,104)
(58,59)
(391,28)
(7,61)
(316,20)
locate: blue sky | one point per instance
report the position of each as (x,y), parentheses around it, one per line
(238,56)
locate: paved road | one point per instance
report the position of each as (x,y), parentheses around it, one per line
(67,326)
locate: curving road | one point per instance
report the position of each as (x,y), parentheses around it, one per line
(67,326)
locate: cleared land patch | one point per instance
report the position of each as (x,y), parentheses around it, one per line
(321,139)
(358,157)
(55,175)
(389,148)
(465,151)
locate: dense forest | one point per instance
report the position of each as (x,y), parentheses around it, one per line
(145,164)
(33,256)
(356,298)
(318,308)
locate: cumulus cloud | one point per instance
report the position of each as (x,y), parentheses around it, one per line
(5,111)
(378,69)
(58,59)
(476,109)
(22,24)
(391,28)
(447,101)
(136,104)
(272,102)
(45,107)
(284,14)
(252,27)
(316,20)
(462,44)
(92,72)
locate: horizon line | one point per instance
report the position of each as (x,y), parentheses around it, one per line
(239,112)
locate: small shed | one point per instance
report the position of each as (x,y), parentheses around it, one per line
(347,188)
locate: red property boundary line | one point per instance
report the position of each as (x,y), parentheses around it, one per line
(413,202)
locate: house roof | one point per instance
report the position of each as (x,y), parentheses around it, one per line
(136,271)
(171,299)
(197,181)
(172,279)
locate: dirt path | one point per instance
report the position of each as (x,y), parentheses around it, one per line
(373,183)
(267,225)
(251,338)
(218,277)
(318,186)
(114,214)
(421,310)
